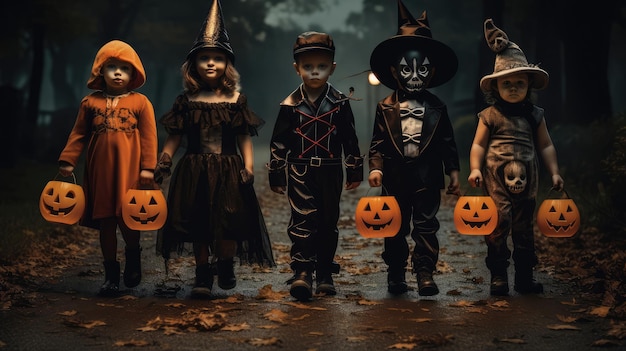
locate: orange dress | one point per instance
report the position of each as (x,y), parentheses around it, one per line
(121,138)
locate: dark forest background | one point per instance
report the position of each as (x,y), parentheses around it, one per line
(47,49)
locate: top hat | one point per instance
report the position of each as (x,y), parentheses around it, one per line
(122,51)
(413,34)
(213,33)
(310,41)
(510,59)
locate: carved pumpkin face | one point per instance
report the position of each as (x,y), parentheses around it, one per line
(475,215)
(144,209)
(558,218)
(378,216)
(62,202)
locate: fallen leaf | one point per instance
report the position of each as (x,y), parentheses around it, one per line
(601,311)
(566,319)
(605,343)
(512,340)
(356,338)
(365,302)
(131,342)
(402,346)
(236,327)
(276,316)
(264,341)
(68,313)
(420,320)
(562,327)
(404,310)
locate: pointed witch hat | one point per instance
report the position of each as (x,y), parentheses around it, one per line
(213,33)
(413,34)
(510,59)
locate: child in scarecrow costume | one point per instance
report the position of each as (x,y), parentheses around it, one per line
(211,200)
(413,145)
(508,137)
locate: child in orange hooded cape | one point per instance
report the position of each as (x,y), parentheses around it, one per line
(118,127)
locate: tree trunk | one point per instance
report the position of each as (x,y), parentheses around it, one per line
(29,127)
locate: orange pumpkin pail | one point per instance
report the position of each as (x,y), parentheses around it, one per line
(378,216)
(558,218)
(62,202)
(144,209)
(475,215)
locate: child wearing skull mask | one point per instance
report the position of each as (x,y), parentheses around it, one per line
(413,145)
(503,160)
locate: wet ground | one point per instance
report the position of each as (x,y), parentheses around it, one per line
(260,314)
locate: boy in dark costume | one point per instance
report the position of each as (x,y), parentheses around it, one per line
(314,128)
(413,145)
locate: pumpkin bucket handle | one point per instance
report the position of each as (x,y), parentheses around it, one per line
(564,194)
(152,186)
(383,191)
(59,174)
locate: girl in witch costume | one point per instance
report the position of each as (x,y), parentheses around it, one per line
(508,137)
(119,128)
(413,145)
(211,199)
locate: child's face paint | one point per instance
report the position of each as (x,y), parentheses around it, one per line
(413,71)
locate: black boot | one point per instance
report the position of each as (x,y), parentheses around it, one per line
(132,268)
(524,282)
(426,284)
(396,280)
(204,282)
(302,285)
(499,283)
(226,274)
(325,284)
(111,286)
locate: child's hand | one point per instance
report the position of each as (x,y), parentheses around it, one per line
(278,189)
(146,177)
(352,185)
(163,168)
(557,182)
(66,169)
(375,179)
(454,187)
(475,178)
(247,177)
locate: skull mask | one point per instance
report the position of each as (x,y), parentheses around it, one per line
(515,177)
(413,71)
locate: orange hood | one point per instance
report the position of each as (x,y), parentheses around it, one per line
(119,50)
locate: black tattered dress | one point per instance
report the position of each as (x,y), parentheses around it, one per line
(207,201)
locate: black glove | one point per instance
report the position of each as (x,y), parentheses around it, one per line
(163,169)
(246,177)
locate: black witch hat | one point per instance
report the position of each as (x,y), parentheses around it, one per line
(213,33)
(413,34)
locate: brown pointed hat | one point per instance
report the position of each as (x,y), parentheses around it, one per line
(213,33)
(413,34)
(510,59)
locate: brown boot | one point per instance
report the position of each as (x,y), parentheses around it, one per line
(204,282)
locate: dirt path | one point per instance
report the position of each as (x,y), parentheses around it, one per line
(66,315)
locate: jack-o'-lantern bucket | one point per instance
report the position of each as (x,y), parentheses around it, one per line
(144,209)
(475,215)
(378,216)
(62,202)
(558,218)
